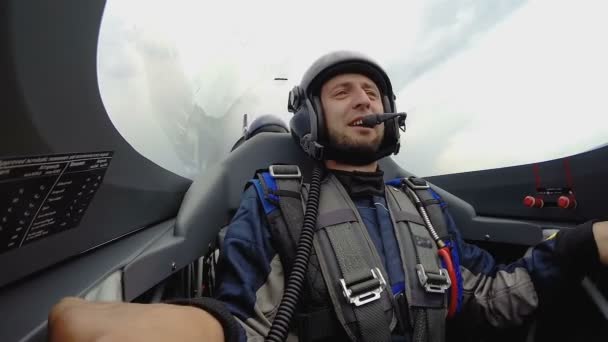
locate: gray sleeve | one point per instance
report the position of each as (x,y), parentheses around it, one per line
(268,298)
(502,299)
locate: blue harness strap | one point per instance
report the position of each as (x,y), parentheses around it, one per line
(272,186)
(395,182)
(267,205)
(436,196)
(398,288)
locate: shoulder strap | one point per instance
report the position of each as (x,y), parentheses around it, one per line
(275,186)
(344,256)
(429,206)
(352,272)
(352,269)
(427,281)
(434,206)
(288,181)
(279,188)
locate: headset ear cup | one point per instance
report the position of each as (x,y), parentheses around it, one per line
(313,123)
(294,101)
(389,106)
(320,119)
(299,124)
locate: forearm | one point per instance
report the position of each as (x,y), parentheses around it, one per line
(505,295)
(75,319)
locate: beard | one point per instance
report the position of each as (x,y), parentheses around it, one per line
(346,149)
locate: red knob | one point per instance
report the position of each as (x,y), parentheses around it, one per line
(534,202)
(566,202)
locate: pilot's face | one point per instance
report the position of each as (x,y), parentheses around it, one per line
(346,99)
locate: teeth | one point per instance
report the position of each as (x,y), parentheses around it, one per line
(357,123)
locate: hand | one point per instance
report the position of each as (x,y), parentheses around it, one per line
(74,319)
(600,233)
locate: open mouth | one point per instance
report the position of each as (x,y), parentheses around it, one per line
(358,122)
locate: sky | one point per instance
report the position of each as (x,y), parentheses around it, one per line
(485,84)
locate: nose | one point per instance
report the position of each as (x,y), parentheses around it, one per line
(361,100)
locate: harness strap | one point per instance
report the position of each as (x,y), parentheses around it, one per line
(426,328)
(360,281)
(286,193)
(335,217)
(408,217)
(428,282)
(283,186)
(318,325)
(361,285)
(436,324)
(352,271)
(432,206)
(351,264)
(432,203)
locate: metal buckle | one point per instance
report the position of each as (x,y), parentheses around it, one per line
(436,283)
(411,185)
(275,175)
(366,297)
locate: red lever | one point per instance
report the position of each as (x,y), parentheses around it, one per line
(444,253)
(534,202)
(566,202)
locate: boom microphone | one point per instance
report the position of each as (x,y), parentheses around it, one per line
(376,119)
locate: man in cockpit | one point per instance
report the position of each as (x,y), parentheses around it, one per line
(388,262)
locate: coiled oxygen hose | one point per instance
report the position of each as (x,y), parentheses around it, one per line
(280,326)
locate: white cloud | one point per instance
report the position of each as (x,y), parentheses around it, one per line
(529,90)
(479,79)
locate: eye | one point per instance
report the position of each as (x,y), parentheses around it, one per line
(372,94)
(340,93)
